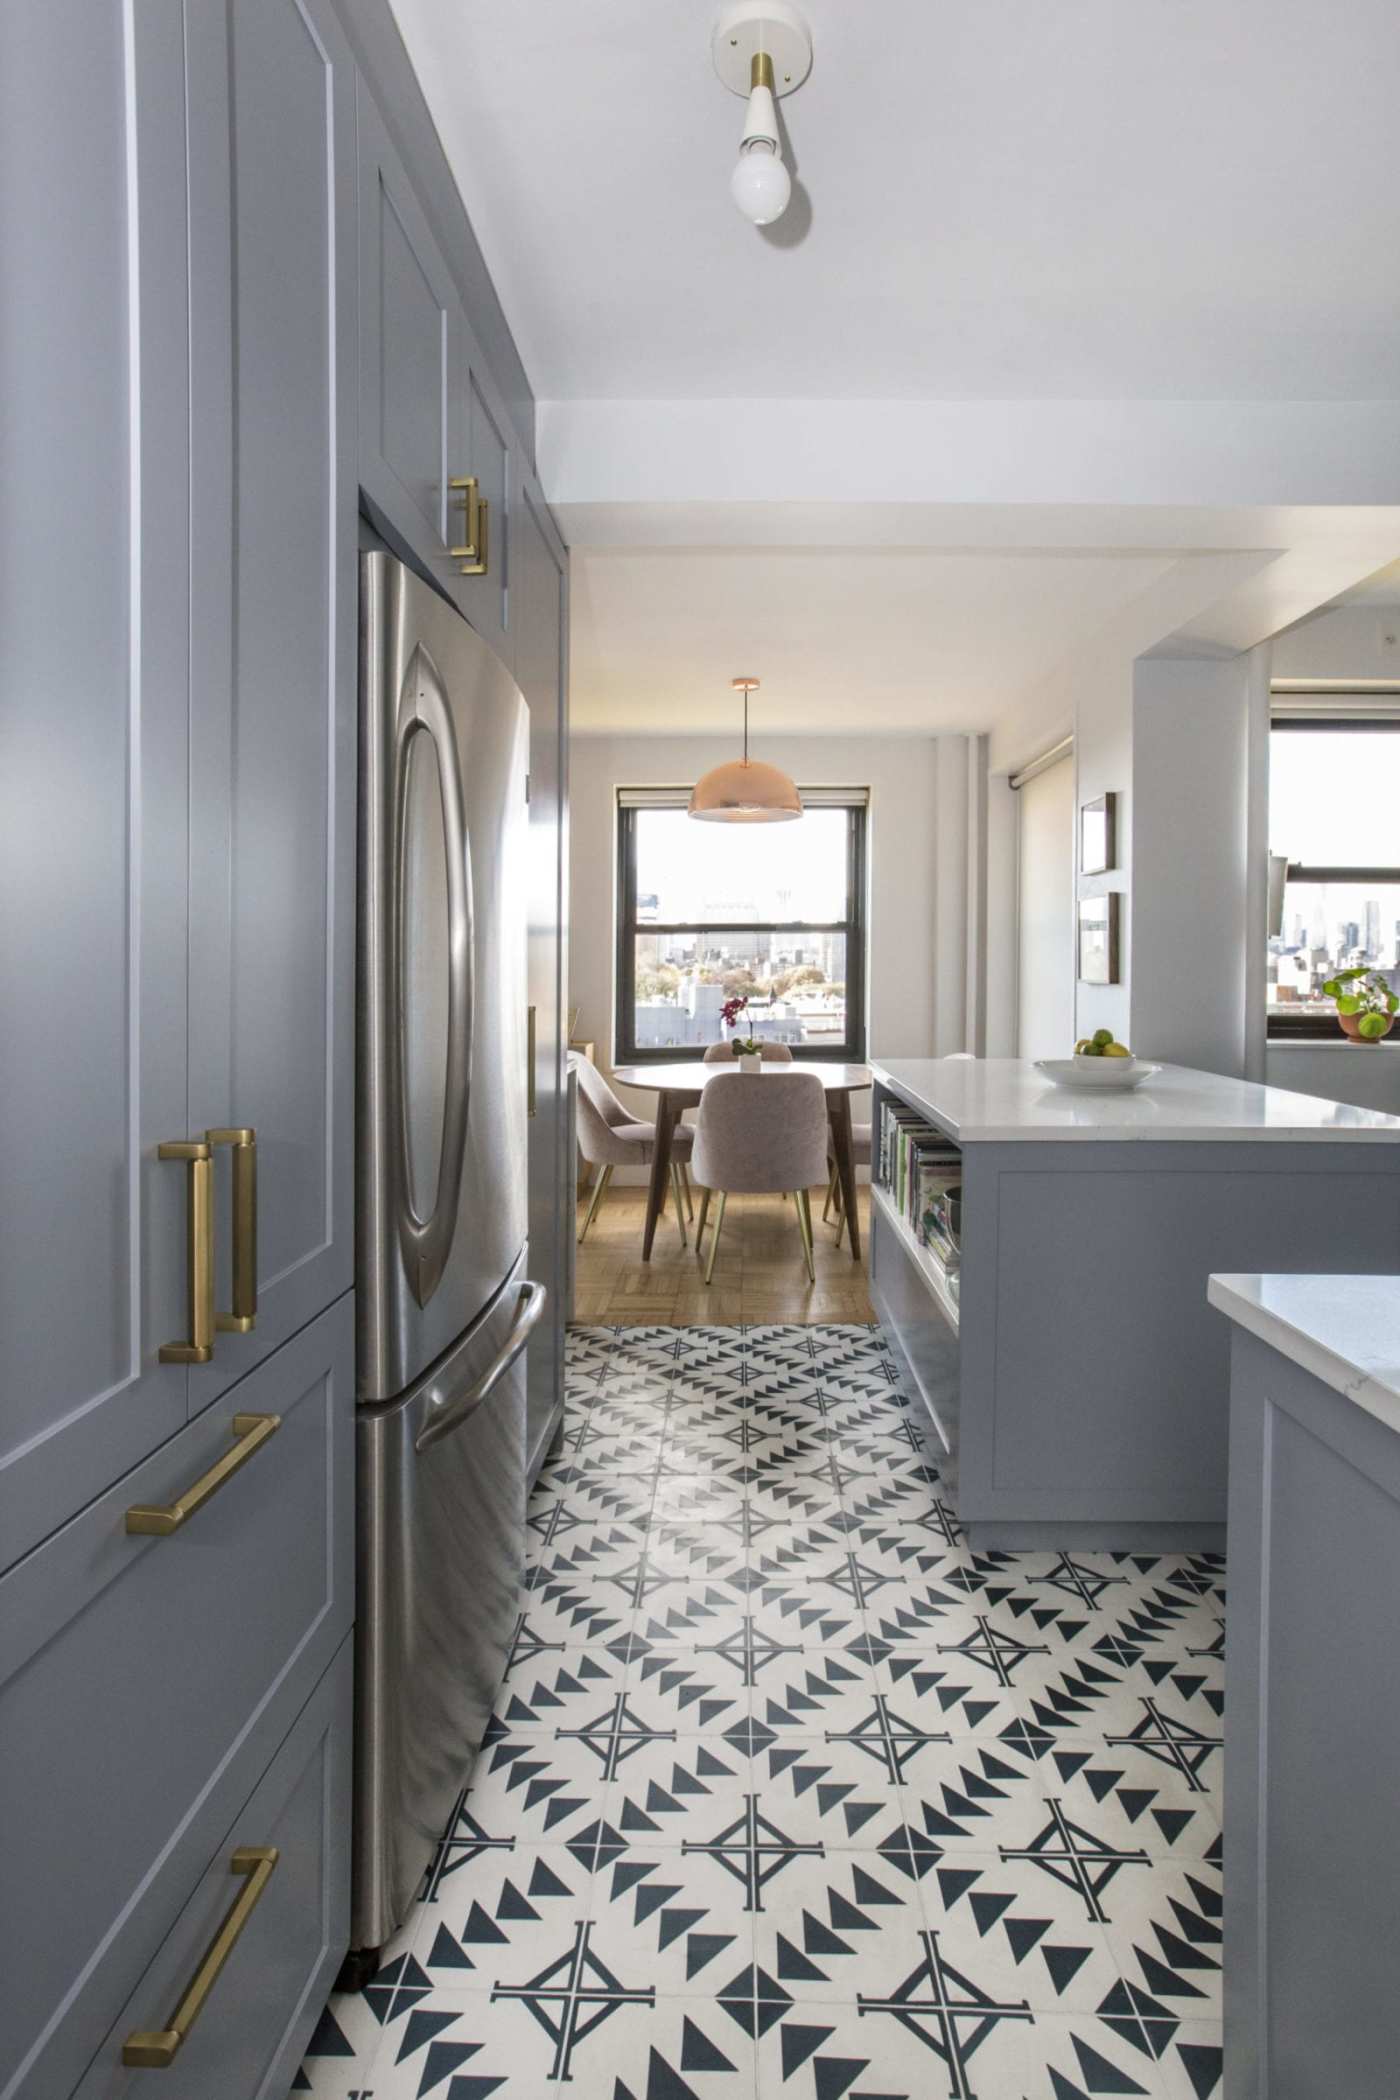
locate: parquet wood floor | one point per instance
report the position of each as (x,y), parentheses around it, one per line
(759,1274)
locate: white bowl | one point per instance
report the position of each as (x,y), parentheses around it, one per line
(1112,1075)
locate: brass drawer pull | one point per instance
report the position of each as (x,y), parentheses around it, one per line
(473,555)
(250,1433)
(243,1316)
(199,1226)
(156,2050)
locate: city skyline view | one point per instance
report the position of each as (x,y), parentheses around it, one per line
(1332,803)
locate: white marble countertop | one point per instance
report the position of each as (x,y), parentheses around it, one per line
(1345,1330)
(1005,1099)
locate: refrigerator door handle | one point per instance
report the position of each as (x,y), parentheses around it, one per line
(443,1419)
(427,1242)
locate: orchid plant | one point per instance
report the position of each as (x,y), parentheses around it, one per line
(742,1045)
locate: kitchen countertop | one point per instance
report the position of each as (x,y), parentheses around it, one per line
(1005,1099)
(1345,1330)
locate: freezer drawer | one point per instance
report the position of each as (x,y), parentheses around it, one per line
(284,1864)
(441,1490)
(145,1681)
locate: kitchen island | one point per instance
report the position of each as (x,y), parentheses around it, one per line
(1314,1836)
(1075,1384)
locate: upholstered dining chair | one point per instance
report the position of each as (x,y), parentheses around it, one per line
(760,1137)
(609,1136)
(771,1053)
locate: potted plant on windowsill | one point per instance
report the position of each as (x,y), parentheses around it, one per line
(1366,1006)
(746,1048)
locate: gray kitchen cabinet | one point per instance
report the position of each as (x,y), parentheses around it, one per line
(273,645)
(284,1860)
(432,420)
(94,754)
(178,1660)
(410,354)
(541,610)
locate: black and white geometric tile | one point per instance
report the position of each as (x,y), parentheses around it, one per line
(789,1795)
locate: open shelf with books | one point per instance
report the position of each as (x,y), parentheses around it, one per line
(916,1262)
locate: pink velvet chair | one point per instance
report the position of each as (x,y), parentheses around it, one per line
(760,1136)
(609,1136)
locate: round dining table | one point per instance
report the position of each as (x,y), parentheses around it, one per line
(679,1086)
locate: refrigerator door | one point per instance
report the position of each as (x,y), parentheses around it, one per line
(442,1064)
(441,1491)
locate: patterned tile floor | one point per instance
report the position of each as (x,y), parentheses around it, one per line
(790,1793)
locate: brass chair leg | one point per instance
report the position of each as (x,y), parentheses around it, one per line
(714,1243)
(804,1220)
(685,1184)
(679,1200)
(704,1213)
(599,1191)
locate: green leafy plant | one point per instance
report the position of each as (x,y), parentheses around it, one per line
(1364,996)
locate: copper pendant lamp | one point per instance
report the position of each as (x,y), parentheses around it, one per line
(744,791)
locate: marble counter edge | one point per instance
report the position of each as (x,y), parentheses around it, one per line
(1079,1118)
(1367,1375)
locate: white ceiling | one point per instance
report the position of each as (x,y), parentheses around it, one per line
(856,640)
(1092,199)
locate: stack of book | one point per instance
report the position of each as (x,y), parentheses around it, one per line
(920,1171)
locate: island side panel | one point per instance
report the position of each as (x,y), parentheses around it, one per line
(1314,1840)
(1094,1375)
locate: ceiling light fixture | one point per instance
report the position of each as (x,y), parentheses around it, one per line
(743,791)
(762,49)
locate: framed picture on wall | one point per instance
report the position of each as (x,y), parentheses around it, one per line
(1098,835)
(1098,939)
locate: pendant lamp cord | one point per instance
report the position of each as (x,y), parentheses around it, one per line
(746,725)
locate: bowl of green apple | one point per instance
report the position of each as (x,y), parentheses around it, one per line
(1099,1065)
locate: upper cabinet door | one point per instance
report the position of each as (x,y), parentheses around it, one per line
(411,362)
(93,751)
(272,855)
(482,576)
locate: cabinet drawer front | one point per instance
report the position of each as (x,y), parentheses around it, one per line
(143,1678)
(250,2032)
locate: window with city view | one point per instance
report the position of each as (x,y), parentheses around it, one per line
(770,911)
(1334,789)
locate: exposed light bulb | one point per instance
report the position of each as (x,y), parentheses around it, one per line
(760,184)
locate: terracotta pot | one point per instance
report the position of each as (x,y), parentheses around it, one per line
(1350,1024)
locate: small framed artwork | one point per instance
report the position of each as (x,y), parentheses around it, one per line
(1098,835)
(1098,939)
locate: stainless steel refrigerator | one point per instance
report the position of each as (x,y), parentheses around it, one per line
(444,1306)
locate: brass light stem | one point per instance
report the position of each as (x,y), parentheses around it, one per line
(761,72)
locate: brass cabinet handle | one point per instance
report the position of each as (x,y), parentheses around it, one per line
(157,2049)
(158,1520)
(199,1226)
(530,1062)
(243,1146)
(473,556)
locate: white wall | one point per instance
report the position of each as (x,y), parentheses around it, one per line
(1189,871)
(904,864)
(1045,914)
(1352,643)
(1103,764)
(1366,1078)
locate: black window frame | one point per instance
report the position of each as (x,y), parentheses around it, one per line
(626,1051)
(1319,1025)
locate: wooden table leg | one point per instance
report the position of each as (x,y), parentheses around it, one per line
(838,1108)
(660,1169)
